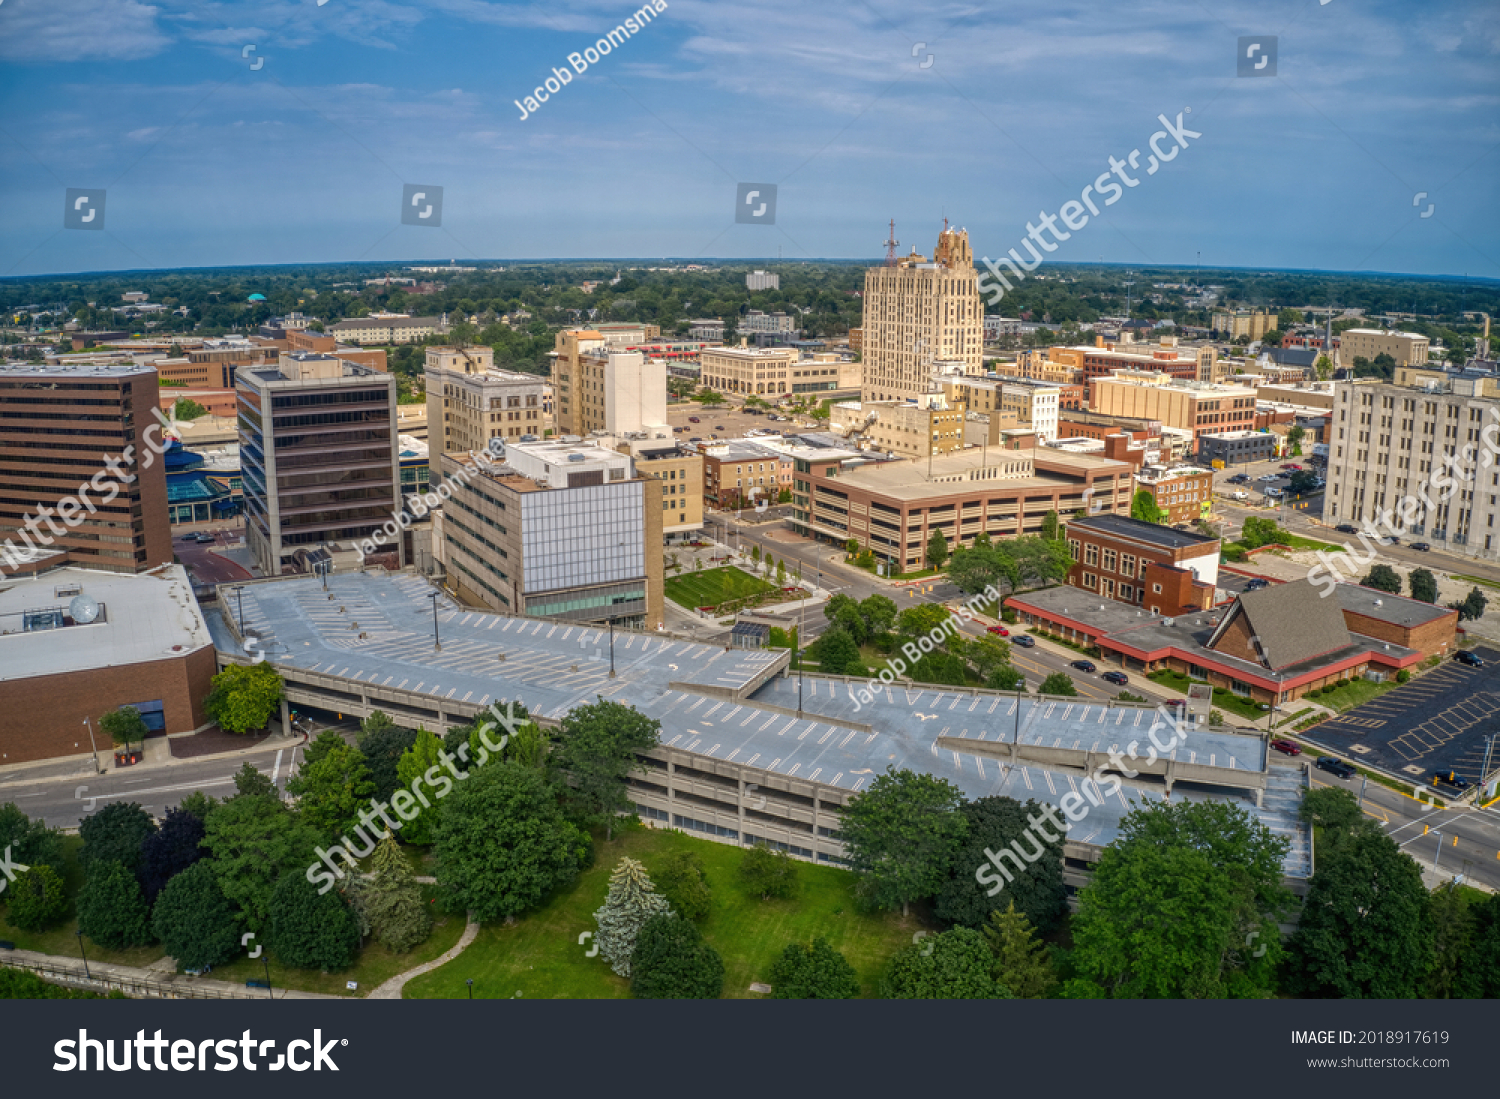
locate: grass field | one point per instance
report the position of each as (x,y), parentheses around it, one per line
(539,956)
(711,587)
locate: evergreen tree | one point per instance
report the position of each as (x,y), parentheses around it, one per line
(392,902)
(196,923)
(1022,964)
(672,962)
(417,761)
(250,783)
(632,900)
(111,910)
(311,930)
(813,971)
(937,550)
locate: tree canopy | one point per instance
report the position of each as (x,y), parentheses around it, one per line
(813,971)
(244,696)
(672,962)
(901,836)
(598,748)
(196,923)
(956,965)
(993,824)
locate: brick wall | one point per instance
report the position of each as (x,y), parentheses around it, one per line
(42,717)
(1434,637)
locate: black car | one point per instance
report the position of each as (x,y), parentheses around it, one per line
(1335,767)
(1257,584)
(1423,546)
(1025,640)
(1119,679)
(1463,656)
(1084,665)
(1347,528)
(1450,779)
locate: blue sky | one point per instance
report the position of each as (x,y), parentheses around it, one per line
(1003,113)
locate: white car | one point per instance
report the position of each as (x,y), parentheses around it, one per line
(1269,477)
(1273,493)
(1239,495)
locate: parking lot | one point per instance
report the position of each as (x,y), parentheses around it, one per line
(1437,722)
(731,418)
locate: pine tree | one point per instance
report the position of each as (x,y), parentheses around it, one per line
(631,902)
(393,900)
(1022,963)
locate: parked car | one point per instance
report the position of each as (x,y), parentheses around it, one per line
(1451,779)
(204,539)
(1257,583)
(720,427)
(1084,665)
(1463,656)
(1239,479)
(696,439)
(1287,747)
(1269,477)
(1000,630)
(694,420)
(1025,640)
(1335,766)
(1347,528)
(1272,492)
(1239,495)
(1423,546)
(1119,679)
(1174,703)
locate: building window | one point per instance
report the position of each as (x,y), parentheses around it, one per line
(1155,589)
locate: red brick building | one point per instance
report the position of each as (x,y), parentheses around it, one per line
(1183,494)
(1145,565)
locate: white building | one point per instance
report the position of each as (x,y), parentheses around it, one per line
(763,280)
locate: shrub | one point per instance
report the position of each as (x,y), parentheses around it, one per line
(672,962)
(1403,676)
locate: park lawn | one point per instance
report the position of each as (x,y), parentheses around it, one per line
(539,956)
(711,587)
(374,965)
(1351,693)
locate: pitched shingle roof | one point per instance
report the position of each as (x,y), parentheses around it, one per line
(1291,622)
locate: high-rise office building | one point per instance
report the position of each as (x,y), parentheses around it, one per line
(762,280)
(470,401)
(319,457)
(919,312)
(62,501)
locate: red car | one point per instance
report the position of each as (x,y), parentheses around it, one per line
(1286,747)
(1001,630)
(1292,465)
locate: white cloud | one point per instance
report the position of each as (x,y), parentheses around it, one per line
(79,30)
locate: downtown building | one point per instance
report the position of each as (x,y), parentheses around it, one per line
(604,379)
(917,313)
(65,431)
(1421,450)
(470,401)
(319,458)
(565,530)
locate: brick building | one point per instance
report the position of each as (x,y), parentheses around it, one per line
(733,468)
(76,643)
(1184,493)
(1160,569)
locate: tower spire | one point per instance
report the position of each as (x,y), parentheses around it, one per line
(890,246)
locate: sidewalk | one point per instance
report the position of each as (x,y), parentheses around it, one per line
(142,983)
(158,757)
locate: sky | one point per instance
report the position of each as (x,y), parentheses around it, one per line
(1366,137)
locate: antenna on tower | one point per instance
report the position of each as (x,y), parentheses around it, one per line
(890,246)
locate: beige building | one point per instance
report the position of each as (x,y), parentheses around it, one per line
(1027,401)
(386,328)
(1198,407)
(1407,348)
(680,472)
(599,385)
(1252,324)
(825,371)
(470,402)
(915,429)
(750,371)
(560,530)
(1405,450)
(917,313)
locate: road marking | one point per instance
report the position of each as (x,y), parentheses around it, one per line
(276,767)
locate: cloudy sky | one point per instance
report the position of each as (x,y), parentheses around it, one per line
(993,114)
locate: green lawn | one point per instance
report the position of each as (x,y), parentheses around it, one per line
(1476,580)
(1351,693)
(539,956)
(711,587)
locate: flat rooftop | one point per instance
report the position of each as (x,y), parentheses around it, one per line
(147,616)
(73,371)
(1154,533)
(554,666)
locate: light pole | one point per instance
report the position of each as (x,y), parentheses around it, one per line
(611,647)
(470,983)
(239,614)
(1437,855)
(97,769)
(265,960)
(85,954)
(437,644)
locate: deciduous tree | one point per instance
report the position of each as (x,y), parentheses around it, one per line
(115,833)
(420,758)
(682,881)
(1058,683)
(30,842)
(309,929)
(1423,586)
(125,726)
(995,824)
(672,962)
(255,841)
(170,850)
(1383,578)
(502,844)
(36,899)
(766,873)
(901,836)
(244,696)
(956,965)
(598,749)
(332,791)
(196,923)
(813,971)
(111,910)
(251,783)
(937,550)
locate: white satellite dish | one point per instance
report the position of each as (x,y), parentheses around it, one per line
(83,609)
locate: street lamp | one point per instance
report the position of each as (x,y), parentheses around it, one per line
(437,644)
(611,646)
(265,960)
(97,769)
(239,616)
(470,983)
(1437,855)
(85,954)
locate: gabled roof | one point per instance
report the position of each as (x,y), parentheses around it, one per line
(1291,623)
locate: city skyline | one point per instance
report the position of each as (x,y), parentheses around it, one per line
(1366,151)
